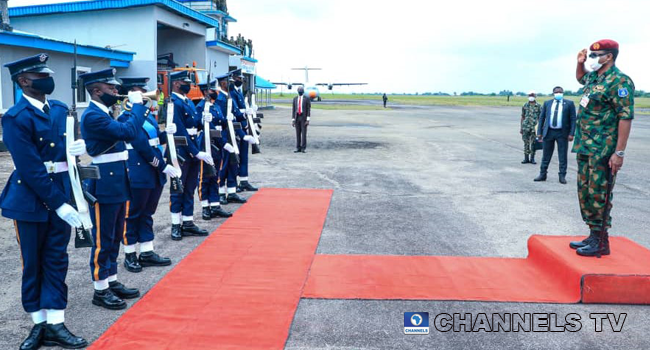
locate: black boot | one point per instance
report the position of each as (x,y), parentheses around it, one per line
(59,335)
(298,150)
(563,179)
(131,263)
(222,199)
(540,177)
(190,229)
(246,186)
(176,232)
(206,213)
(235,198)
(526,159)
(217,212)
(152,259)
(593,234)
(106,299)
(595,248)
(35,338)
(122,291)
(532,159)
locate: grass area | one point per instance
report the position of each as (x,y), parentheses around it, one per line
(516,101)
(316,105)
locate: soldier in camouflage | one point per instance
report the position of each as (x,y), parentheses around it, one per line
(604,123)
(529,115)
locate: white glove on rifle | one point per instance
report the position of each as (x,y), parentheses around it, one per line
(249,110)
(172,171)
(249,139)
(77,148)
(135,97)
(170,128)
(228,147)
(207,117)
(69,215)
(230,117)
(205,157)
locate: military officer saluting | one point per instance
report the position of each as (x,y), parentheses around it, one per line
(36,197)
(238,109)
(209,185)
(148,173)
(604,123)
(105,139)
(187,124)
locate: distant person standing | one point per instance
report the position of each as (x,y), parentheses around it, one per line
(557,124)
(300,119)
(385,98)
(529,115)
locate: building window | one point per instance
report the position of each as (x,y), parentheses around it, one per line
(82,97)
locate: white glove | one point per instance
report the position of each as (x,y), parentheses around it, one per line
(205,157)
(249,111)
(69,215)
(230,117)
(135,97)
(170,128)
(172,171)
(228,147)
(207,117)
(77,148)
(249,139)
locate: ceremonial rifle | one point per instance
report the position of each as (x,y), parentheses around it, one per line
(208,169)
(255,148)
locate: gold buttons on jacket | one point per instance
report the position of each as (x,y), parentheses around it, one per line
(52,144)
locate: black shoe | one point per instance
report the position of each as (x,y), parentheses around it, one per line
(298,150)
(177,234)
(106,299)
(585,242)
(563,179)
(152,259)
(541,177)
(122,292)
(59,335)
(235,198)
(35,338)
(532,159)
(206,214)
(222,199)
(131,263)
(594,248)
(526,159)
(217,212)
(246,186)
(304,150)
(190,229)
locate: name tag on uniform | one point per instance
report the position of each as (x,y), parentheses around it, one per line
(584,101)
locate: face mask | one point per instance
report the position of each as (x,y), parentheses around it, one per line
(558,96)
(108,100)
(300,93)
(238,83)
(593,63)
(44,85)
(531,99)
(213,95)
(185,88)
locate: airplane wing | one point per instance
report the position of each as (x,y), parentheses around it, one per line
(287,83)
(337,84)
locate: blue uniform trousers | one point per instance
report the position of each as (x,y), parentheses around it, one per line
(184,202)
(243,158)
(44,252)
(108,219)
(209,186)
(139,217)
(227,171)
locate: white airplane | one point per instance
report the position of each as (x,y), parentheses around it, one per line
(311,90)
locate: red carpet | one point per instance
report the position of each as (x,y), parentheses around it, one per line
(552,273)
(239,289)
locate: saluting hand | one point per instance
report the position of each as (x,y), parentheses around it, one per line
(615,163)
(582,56)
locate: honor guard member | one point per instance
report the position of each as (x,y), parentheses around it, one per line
(209,186)
(36,197)
(228,169)
(187,124)
(147,176)
(529,115)
(604,123)
(240,111)
(105,139)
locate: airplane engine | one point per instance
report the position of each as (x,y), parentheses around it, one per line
(289,86)
(330,86)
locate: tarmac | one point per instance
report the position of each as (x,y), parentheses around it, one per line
(407,181)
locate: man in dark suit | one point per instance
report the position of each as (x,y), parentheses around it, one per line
(300,119)
(557,124)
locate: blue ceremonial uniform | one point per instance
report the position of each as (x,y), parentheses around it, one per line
(31,197)
(146,177)
(209,186)
(237,105)
(105,138)
(228,168)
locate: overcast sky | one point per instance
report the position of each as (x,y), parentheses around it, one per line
(430,46)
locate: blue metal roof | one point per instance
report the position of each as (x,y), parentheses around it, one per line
(48,44)
(263,83)
(97,5)
(234,49)
(249,59)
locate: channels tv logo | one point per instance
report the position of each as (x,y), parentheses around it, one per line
(416,323)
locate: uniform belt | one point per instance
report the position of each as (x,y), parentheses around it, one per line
(192,131)
(111,157)
(152,142)
(56,167)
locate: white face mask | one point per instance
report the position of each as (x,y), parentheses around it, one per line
(531,99)
(593,63)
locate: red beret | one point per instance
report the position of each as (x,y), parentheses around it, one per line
(604,44)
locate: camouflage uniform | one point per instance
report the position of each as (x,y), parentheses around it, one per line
(611,98)
(531,112)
